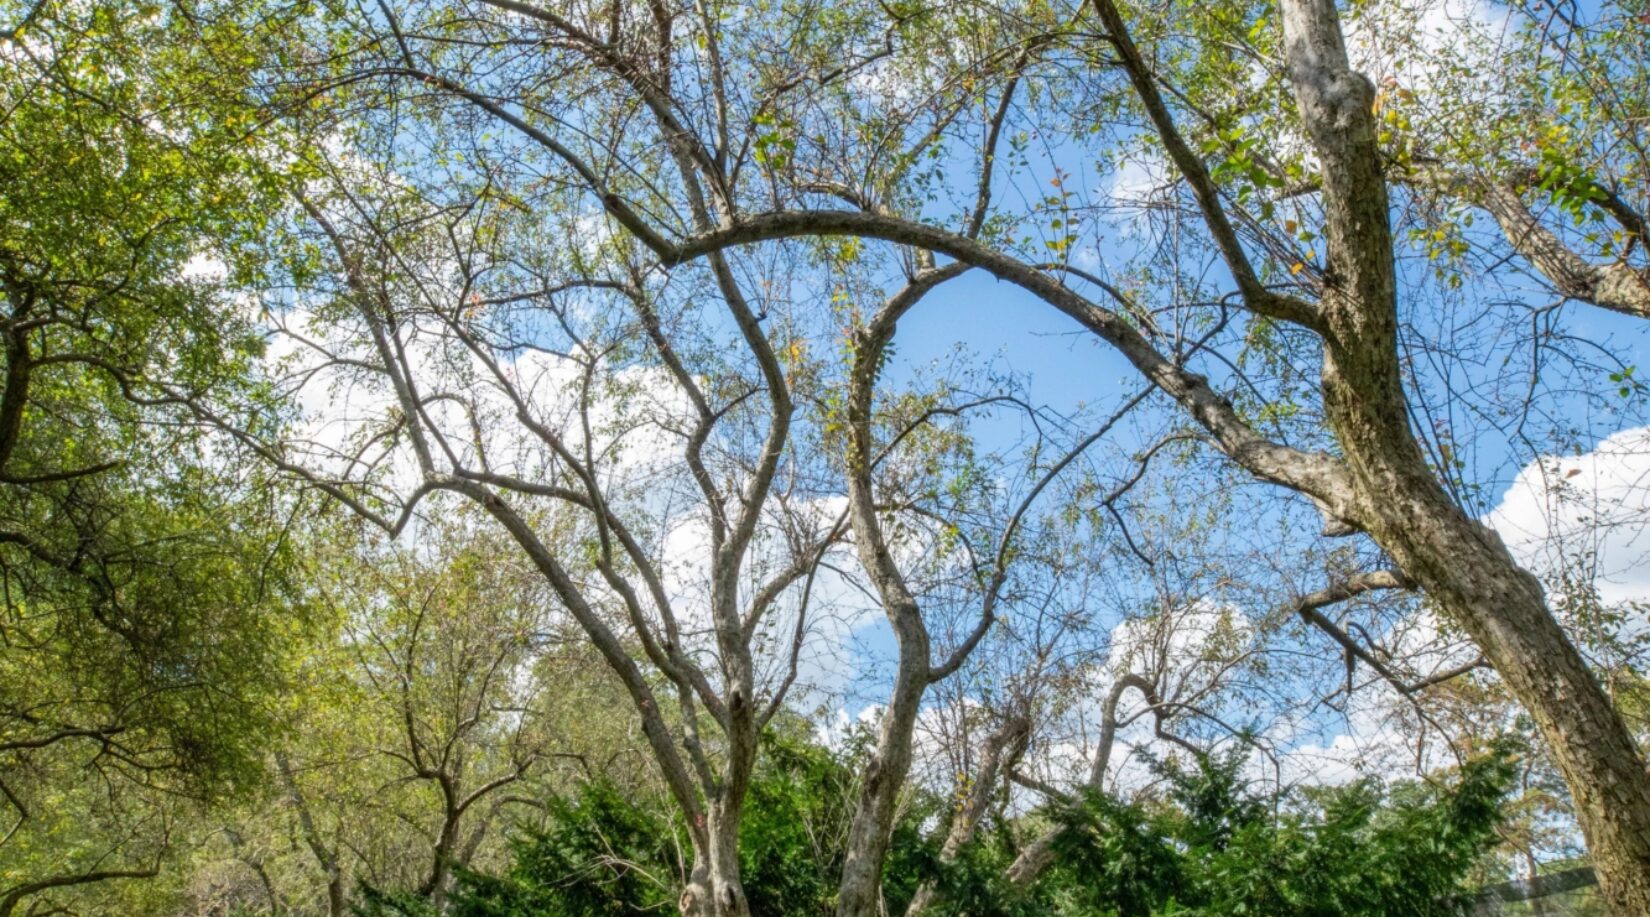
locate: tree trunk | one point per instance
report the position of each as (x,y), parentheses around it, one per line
(859,894)
(435,886)
(1467,570)
(714,886)
(1469,573)
(1398,499)
(859,891)
(326,857)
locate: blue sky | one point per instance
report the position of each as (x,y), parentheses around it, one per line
(1064,368)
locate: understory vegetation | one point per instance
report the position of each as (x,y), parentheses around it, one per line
(1199,843)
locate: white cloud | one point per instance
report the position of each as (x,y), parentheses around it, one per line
(1584,515)
(1378,734)
(1581,516)
(1189,653)
(1142,179)
(205,267)
(1415,44)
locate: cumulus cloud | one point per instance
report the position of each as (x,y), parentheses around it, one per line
(1569,519)
(1375,733)
(1189,653)
(1585,515)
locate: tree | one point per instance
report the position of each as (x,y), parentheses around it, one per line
(1381,482)
(147,609)
(696,135)
(572,421)
(448,699)
(433,713)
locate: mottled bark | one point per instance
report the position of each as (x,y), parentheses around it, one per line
(859,892)
(1614,285)
(1461,564)
(714,887)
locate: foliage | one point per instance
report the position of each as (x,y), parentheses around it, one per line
(601,851)
(1209,846)
(1203,844)
(150,607)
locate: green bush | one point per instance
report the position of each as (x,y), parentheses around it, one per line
(1203,844)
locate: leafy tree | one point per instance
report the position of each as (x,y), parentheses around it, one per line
(148,607)
(445,703)
(717,152)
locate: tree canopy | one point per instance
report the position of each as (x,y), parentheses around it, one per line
(1056,456)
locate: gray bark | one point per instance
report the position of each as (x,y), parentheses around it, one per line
(859,892)
(1615,285)
(1401,503)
